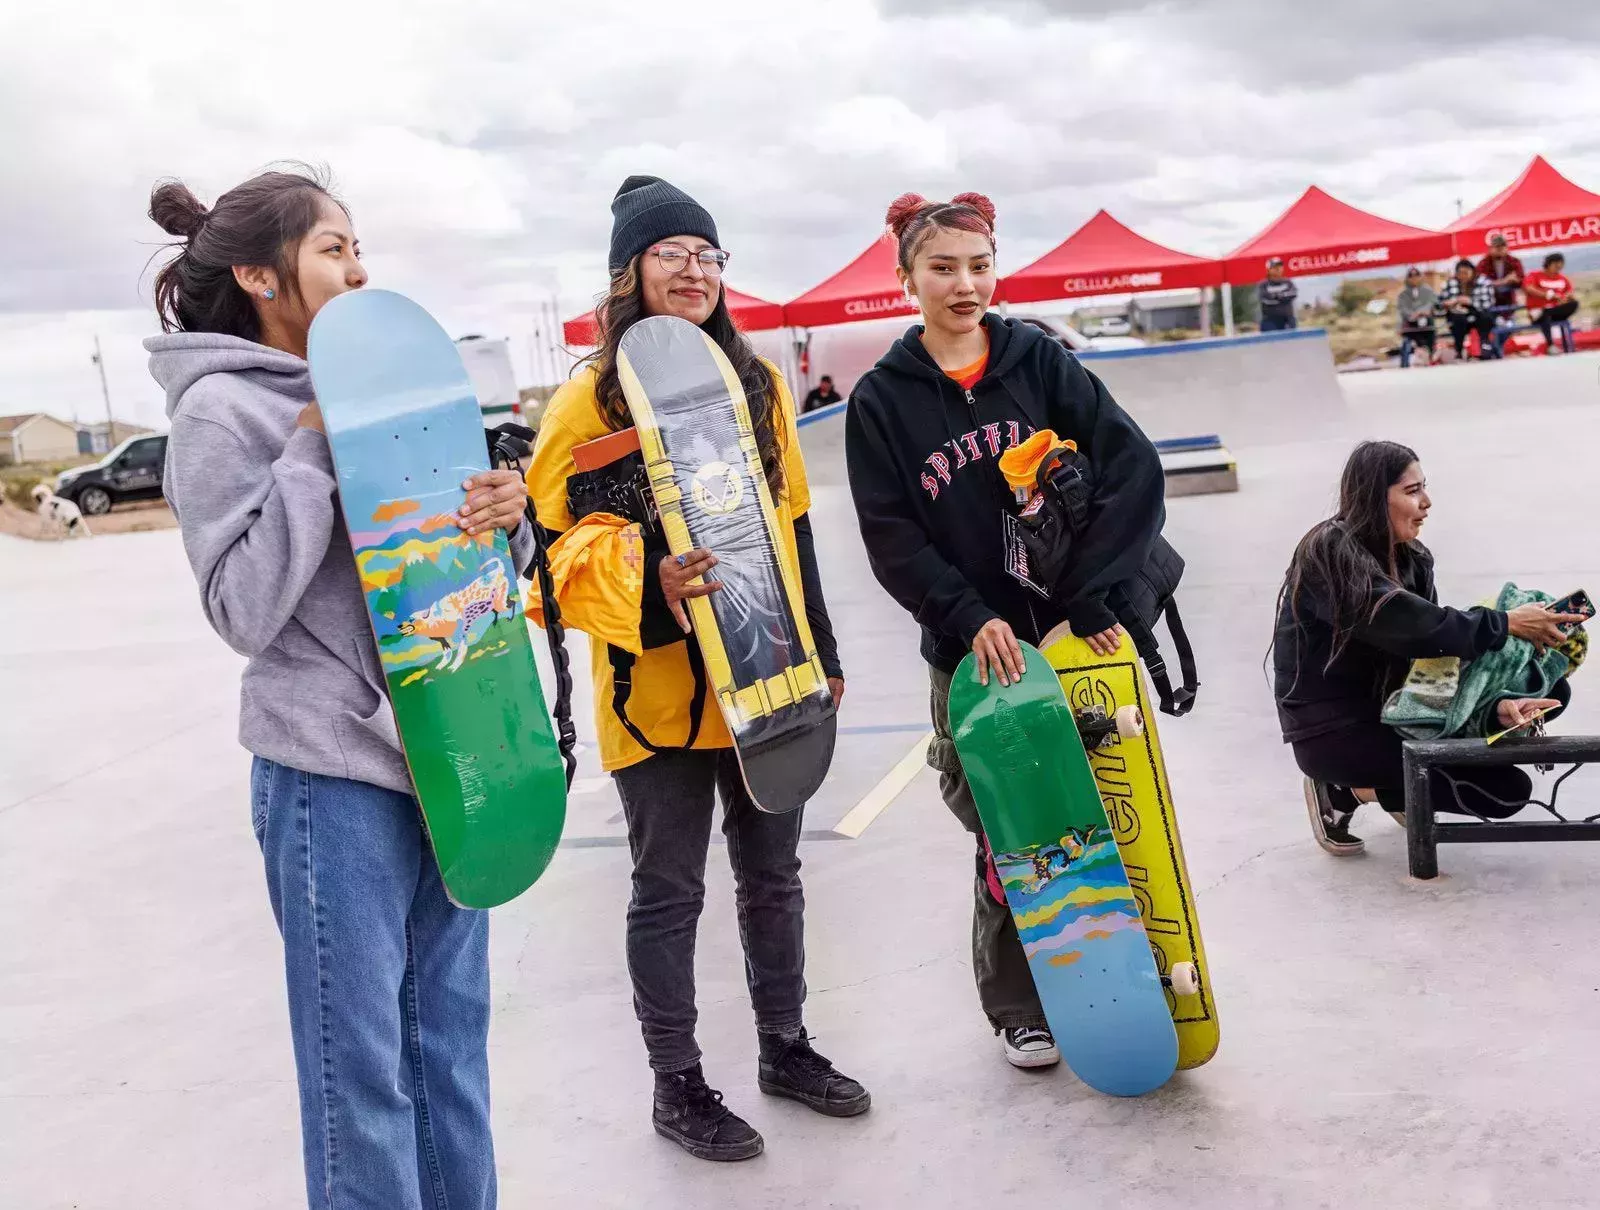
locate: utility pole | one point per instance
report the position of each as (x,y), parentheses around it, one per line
(105,392)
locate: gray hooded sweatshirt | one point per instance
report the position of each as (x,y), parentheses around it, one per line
(256,501)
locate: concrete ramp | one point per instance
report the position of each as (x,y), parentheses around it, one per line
(1272,389)
(1278,388)
(822,443)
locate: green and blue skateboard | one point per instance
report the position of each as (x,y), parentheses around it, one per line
(406,432)
(1024,754)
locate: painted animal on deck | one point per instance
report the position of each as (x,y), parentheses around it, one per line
(449,620)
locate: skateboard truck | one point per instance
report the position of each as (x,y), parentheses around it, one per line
(1097,729)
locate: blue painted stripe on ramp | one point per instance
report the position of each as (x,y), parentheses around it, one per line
(1184,445)
(1200,346)
(833,409)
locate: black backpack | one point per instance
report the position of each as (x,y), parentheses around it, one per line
(1048,528)
(622,488)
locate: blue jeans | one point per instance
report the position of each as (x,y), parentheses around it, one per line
(1279,323)
(388,997)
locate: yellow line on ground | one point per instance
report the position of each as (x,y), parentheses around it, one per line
(860,816)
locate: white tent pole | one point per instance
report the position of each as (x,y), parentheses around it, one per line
(1227,309)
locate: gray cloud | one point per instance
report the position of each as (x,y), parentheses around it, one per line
(1298,44)
(479,147)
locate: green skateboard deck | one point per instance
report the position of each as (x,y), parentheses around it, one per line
(406,431)
(1063,877)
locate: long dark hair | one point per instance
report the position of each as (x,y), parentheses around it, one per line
(1351,557)
(623,306)
(260,222)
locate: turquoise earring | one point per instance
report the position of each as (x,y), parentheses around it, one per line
(268,295)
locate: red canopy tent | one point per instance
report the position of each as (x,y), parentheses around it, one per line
(1320,234)
(751,314)
(1105,257)
(866,288)
(1541,207)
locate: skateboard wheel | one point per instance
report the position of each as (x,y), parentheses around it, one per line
(1185,978)
(1130,722)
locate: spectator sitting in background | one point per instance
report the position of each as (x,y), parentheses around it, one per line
(1503,270)
(1468,302)
(1550,299)
(1416,304)
(820,396)
(1276,296)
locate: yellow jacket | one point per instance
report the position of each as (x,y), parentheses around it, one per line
(598,580)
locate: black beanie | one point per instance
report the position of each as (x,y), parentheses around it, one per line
(647,209)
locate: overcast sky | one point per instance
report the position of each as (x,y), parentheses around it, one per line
(479,143)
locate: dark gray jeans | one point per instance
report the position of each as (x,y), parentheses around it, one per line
(667,801)
(1005,985)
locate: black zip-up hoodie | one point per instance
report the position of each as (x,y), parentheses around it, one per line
(923,457)
(1403,622)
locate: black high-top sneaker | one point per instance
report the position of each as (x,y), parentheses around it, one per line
(791,1068)
(692,1115)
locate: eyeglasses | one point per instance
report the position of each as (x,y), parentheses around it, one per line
(674,258)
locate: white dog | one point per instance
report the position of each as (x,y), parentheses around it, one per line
(61,517)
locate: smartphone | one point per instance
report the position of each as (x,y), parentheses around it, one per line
(1573,602)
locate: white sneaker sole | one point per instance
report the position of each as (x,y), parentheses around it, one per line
(1027,1059)
(1327,844)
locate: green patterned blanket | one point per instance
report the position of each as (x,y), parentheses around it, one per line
(1447,698)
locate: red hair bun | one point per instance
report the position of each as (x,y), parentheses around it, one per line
(902,210)
(978,202)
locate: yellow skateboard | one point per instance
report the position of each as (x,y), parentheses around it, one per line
(1132,779)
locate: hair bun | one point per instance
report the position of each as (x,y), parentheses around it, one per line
(902,210)
(978,202)
(176,210)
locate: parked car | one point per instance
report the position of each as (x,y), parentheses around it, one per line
(1076,340)
(1111,325)
(132,471)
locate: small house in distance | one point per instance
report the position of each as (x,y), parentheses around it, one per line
(36,437)
(1174,310)
(97,438)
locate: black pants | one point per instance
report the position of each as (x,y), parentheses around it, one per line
(1005,984)
(1462,322)
(1551,316)
(668,801)
(1368,754)
(1422,337)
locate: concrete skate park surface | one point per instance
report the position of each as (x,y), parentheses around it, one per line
(1275,387)
(1384,1042)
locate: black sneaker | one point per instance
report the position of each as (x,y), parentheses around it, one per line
(792,1069)
(1030,1046)
(692,1115)
(1331,809)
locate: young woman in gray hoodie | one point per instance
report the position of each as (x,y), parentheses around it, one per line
(388,982)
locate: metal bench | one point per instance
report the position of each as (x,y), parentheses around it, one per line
(1506,326)
(1425,832)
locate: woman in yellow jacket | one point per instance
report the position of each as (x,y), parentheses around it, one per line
(668,750)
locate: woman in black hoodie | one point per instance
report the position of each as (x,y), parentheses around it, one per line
(924,433)
(1357,605)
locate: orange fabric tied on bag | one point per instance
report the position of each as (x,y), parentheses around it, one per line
(1020,464)
(604,601)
